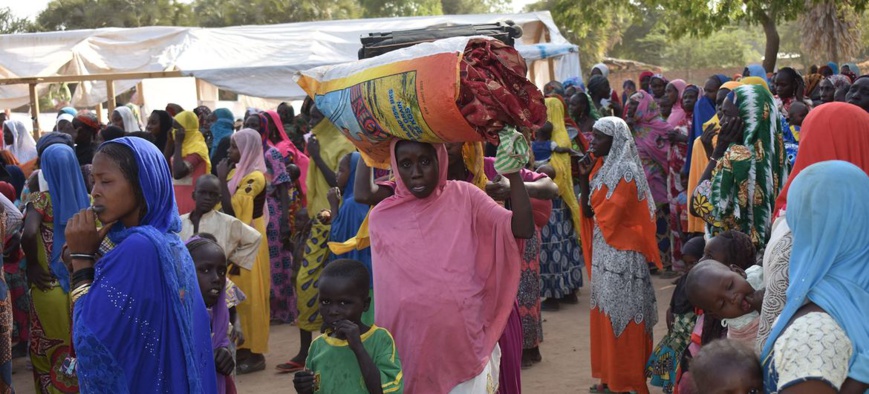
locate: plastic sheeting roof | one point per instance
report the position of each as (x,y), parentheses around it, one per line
(252,60)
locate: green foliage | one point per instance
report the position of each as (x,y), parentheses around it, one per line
(592,25)
(219,13)
(391,8)
(9,23)
(90,14)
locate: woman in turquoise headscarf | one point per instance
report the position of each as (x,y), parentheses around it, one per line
(42,240)
(826,309)
(221,129)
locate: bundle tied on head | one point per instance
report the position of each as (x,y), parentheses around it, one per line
(461,89)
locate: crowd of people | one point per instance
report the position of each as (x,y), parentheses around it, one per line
(158,256)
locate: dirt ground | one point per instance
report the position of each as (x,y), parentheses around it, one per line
(565,367)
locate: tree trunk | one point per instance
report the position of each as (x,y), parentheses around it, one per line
(772,43)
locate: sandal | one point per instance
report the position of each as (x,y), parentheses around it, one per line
(254,363)
(290,367)
(599,388)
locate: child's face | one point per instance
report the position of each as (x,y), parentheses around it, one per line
(341,299)
(726,295)
(690,261)
(418,167)
(210,271)
(715,250)
(206,195)
(737,380)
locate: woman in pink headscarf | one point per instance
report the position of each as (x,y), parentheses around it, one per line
(447,274)
(680,121)
(651,134)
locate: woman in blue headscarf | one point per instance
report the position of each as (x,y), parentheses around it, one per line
(42,239)
(221,128)
(350,216)
(827,307)
(139,321)
(704,110)
(756,70)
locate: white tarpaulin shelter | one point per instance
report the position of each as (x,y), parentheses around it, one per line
(255,61)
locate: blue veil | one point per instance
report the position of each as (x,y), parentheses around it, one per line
(68,196)
(143,323)
(828,214)
(350,217)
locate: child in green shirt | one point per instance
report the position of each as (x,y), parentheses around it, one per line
(351,357)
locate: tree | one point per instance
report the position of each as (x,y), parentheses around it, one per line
(393,8)
(9,23)
(701,17)
(830,30)
(220,13)
(91,14)
(594,26)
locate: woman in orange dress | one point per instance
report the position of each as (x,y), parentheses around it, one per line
(618,232)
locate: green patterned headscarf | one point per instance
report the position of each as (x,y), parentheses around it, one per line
(750,175)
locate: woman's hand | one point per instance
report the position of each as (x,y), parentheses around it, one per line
(499,188)
(38,276)
(731,132)
(706,139)
(586,165)
(314,147)
(223,169)
(179,134)
(334,197)
(82,235)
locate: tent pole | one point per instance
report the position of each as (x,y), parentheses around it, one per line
(34,110)
(110,92)
(198,91)
(100,112)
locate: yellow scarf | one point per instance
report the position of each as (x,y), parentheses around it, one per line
(561,161)
(194,142)
(333,146)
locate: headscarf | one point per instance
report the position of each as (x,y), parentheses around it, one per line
(839,81)
(130,123)
(64,116)
(730,85)
(704,110)
(677,113)
(187,323)
(17,178)
(8,191)
(333,146)
(23,146)
(456,231)
(622,163)
(756,70)
(68,196)
(288,148)
(222,128)
(812,81)
(645,74)
(751,172)
(165,126)
(833,66)
(561,161)
(69,110)
(833,131)
(251,159)
(649,129)
(854,71)
(351,214)
(134,109)
(90,120)
(661,77)
(194,142)
(604,70)
(755,81)
(201,112)
(824,68)
(828,214)
(49,139)
(553,87)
